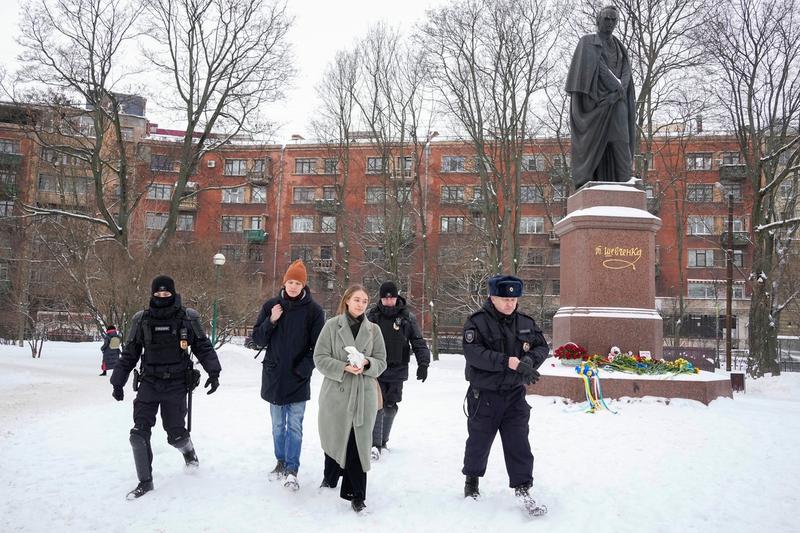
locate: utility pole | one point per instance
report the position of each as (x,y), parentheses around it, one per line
(729,295)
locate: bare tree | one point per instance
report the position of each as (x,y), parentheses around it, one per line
(490,59)
(222,60)
(756,50)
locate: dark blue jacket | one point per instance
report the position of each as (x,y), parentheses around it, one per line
(490,338)
(289,347)
(110,355)
(400,335)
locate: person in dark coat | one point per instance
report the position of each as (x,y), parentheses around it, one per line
(602,109)
(503,348)
(401,335)
(288,326)
(161,336)
(110,349)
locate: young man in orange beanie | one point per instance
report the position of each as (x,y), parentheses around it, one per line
(287,327)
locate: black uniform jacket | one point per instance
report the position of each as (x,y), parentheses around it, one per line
(490,338)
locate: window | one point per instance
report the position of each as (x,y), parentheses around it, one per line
(232,223)
(738,291)
(452,194)
(404,165)
(738,225)
(555,287)
(306,253)
(155,220)
(479,221)
(302,224)
(403,194)
(255,254)
(374,253)
(256,223)
(533,163)
(559,192)
(560,162)
(303,195)
(733,189)
(700,193)
(327,225)
(159,191)
(4,272)
(534,257)
(258,195)
(738,258)
(330,165)
(8,146)
(326,252)
(232,252)
(698,161)
(329,193)
(374,224)
(555,256)
(649,192)
(55,157)
(702,289)
(731,158)
(477,194)
(700,258)
(452,224)
(453,163)
(6,208)
(699,225)
(304,166)
(162,163)
(185,222)
(259,166)
(530,225)
(127,134)
(530,194)
(787,188)
(376,165)
(235,167)
(375,195)
(233,196)
(533,286)
(649,161)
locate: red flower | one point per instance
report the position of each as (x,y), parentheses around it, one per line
(571,350)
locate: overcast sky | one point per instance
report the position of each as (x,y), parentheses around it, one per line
(321,28)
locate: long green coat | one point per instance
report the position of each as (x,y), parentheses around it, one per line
(347,401)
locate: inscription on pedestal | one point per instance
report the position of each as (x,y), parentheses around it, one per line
(614,256)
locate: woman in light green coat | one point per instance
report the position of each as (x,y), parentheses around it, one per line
(348,400)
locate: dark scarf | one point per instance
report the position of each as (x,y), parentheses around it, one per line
(165,307)
(355,323)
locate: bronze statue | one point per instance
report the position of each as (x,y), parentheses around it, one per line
(602,109)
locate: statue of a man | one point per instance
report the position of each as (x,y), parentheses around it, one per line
(602,110)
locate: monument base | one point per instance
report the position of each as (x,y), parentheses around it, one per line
(599,328)
(564,382)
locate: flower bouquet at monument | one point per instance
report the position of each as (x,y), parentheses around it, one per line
(571,354)
(620,361)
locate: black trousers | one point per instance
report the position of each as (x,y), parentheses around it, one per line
(170,397)
(354,479)
(505,411)
(392,394)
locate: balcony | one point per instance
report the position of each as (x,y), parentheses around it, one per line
(255,236)
(322,265)
(553,238)
(10,161)
(257,177)
(327,206)
(740,238)
(188,204)
(402,175)
(559,175)
(66,199)
(477,206)
(732,172)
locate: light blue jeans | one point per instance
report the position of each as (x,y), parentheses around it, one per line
(287,433)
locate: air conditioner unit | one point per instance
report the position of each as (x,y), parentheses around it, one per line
(211,163)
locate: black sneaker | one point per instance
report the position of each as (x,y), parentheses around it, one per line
(141,489)
(278,473)
(191,459)
(471,487)
(358,505)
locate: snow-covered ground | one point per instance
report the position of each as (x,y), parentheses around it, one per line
(65,461)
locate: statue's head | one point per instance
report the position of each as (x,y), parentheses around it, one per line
(607,19)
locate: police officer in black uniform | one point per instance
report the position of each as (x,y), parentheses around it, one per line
(503,348)
(164,332)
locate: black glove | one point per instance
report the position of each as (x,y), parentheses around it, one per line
(525,367)
(118,393)
(213,382)
(422,373)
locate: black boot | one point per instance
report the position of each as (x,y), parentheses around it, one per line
(471,487)
(358,505)
(191,459)
(103,373)
(327,484)
(141,489)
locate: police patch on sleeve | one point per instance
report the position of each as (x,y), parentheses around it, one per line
(469,336)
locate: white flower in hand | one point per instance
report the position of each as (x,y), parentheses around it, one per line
(354,357)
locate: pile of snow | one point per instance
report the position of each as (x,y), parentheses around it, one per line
(66,465)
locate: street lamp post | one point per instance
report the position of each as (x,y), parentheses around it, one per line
(219,260)
(729,292)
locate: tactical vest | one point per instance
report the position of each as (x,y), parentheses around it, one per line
(163,356)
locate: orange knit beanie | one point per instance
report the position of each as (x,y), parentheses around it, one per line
(297,272)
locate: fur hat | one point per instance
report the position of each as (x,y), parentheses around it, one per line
(388,289)
(505,286)
(162,283)
(296,272)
